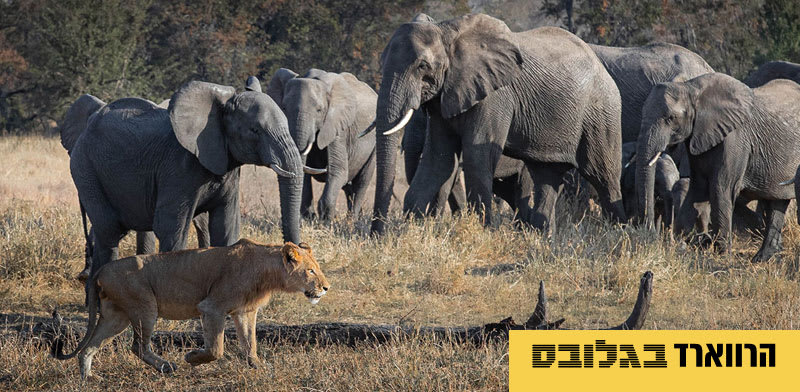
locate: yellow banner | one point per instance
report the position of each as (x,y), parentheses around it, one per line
(654,360)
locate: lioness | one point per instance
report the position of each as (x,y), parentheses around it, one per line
(214,282)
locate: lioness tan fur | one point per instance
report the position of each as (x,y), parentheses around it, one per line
(211,283)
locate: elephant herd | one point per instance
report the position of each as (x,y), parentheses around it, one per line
(479,111)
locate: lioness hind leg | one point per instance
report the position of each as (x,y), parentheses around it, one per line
(246,333)
(214,336)
(110,324)
(143,325)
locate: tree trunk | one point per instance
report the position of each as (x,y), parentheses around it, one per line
(350,334)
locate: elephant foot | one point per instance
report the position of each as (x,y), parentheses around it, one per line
(167,367)
(702,240)
(84,275)
(765,254)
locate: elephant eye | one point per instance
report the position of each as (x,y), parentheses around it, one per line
(253,130)
(424,66)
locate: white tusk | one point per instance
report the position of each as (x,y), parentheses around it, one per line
(313,171)
(630,161)
(369,129)
(308,149)
(653,161)
(787,182)
(401,124)
(281,172)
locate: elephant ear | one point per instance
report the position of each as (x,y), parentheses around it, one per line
(76,119)
(278,82)
(722,105)
(483,58)
(196,114)
(342,110)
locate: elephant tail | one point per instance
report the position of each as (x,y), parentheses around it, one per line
(57,350)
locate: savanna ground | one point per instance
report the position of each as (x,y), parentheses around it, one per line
(444,271)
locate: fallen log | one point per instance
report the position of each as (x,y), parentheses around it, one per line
(350,334)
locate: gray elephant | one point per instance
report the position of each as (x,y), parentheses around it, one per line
(637,70)
(741,141)
(666,176)
(71,127)
(773,70)
(326,111)
(489,92)
(512,182)
(140,167)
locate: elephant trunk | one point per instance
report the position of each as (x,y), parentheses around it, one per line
(394,102)
(650,146)
(413,142)
(284,158)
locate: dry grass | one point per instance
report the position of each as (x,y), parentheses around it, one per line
(445,271)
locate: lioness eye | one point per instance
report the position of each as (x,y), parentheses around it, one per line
(311,271)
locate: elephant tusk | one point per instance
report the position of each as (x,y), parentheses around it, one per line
(308,149)
(653,161)
(630,161)
(369,129)
(787,182)
(279,171)
(313,171)
(401,124)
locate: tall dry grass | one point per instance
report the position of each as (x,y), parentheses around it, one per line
(442,271)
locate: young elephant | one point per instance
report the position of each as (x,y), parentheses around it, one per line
(667,175)
(326,111)
(741,141)
(140,167)
(71,127)
(210,283)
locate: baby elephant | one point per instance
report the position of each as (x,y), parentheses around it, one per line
(666,177)
(211,283)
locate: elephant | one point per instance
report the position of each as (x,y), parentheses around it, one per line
(70,129)
(741,142)
(326,111)
(141,167)
(511,182)
(637,70)
(540,96)
(773,70)
(666,176)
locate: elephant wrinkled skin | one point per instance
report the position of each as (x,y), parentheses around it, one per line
(140,167)
(741,141)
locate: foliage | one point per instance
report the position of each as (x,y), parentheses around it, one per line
(51,51)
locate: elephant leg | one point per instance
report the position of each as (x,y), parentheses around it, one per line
(604,175)
(145,242)
(437,167)
(547,184)
(775,217)
(458,195)
(746,219)
(224,223)
(171,224)
(306,209)
(721,199)
(338,169)
(442,198)
(522,196)
(360,184)
(200,222)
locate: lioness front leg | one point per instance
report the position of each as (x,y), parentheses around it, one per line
(214,337)
(246,333)
(143,325)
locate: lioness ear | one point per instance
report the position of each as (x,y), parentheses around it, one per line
(305,246)
(291,258)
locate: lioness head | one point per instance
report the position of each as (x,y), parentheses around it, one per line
(304,272)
